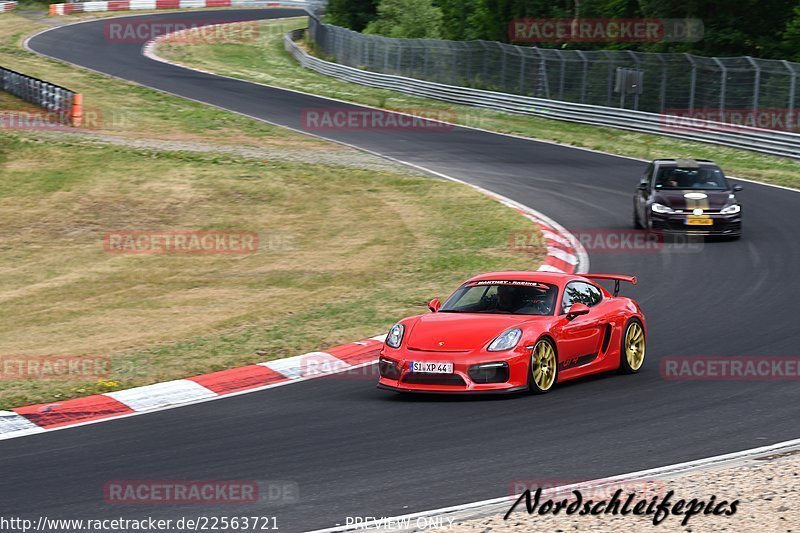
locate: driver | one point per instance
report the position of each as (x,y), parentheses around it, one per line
(707,181)
(507,298)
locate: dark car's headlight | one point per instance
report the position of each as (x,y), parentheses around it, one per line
(730,210)
(506,340)
(395,336)
(661,208)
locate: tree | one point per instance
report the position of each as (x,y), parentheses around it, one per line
(457,15)
(353,14)
(413,19)
(791,37)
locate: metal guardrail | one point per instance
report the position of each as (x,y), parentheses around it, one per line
(64,103)
(770,142)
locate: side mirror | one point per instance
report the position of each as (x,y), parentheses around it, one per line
(737,188)
(642,186)
(576,310)
(434,305)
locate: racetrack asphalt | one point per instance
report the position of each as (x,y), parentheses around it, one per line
(357,451)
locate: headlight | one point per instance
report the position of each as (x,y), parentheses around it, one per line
(506,340)
(731,210)
(395,336)
(661,208)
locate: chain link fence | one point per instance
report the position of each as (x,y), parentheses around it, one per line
(711,88)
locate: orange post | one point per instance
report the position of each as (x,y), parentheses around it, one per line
(76,117)
(53,9)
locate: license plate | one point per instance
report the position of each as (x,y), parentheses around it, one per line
(431,367)
(699,222)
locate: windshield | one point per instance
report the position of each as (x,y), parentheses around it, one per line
(503,297)
(690,178)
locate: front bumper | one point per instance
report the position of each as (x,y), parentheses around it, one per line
(676,223)
(461,380)
(507,390)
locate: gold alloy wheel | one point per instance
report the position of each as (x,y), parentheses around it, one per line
(634,345)
(543,365)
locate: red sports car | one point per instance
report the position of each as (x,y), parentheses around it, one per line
(515,331)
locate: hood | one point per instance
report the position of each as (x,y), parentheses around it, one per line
(687,200)
(455,332)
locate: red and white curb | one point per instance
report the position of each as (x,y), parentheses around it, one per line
(7,6)
(48,416)
(134,5)
(564,254)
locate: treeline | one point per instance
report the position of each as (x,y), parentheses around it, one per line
(759,28)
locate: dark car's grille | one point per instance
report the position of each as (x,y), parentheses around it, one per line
(677,224)
(434,379)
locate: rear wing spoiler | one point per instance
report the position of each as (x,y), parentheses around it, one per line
(615,277)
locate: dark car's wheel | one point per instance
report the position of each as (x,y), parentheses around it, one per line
(543,368)
(632,349)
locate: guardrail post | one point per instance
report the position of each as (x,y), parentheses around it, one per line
(584,74)
(562,73)
(638,65)
(756,83)
(662,91)
(692,83)
(723,83)
(611,74)
(792,89)
(76,116)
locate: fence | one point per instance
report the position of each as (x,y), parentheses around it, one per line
(653,82)
(7,6)
(765,141)
(65,104)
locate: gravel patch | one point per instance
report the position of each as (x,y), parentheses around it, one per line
(335,154)
(767,490)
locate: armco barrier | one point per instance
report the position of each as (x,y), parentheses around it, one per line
(133,5)
(771,142)
(55,99)
(7,6)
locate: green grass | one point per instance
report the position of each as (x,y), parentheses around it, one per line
(265,61)
(345,250)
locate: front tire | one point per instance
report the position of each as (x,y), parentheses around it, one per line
(632,347)
(543,367)
(636,223)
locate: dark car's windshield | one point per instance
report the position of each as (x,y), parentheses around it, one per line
(690,178)
(503,297)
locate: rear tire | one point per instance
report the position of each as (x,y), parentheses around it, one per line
(632,347)
(543,367)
